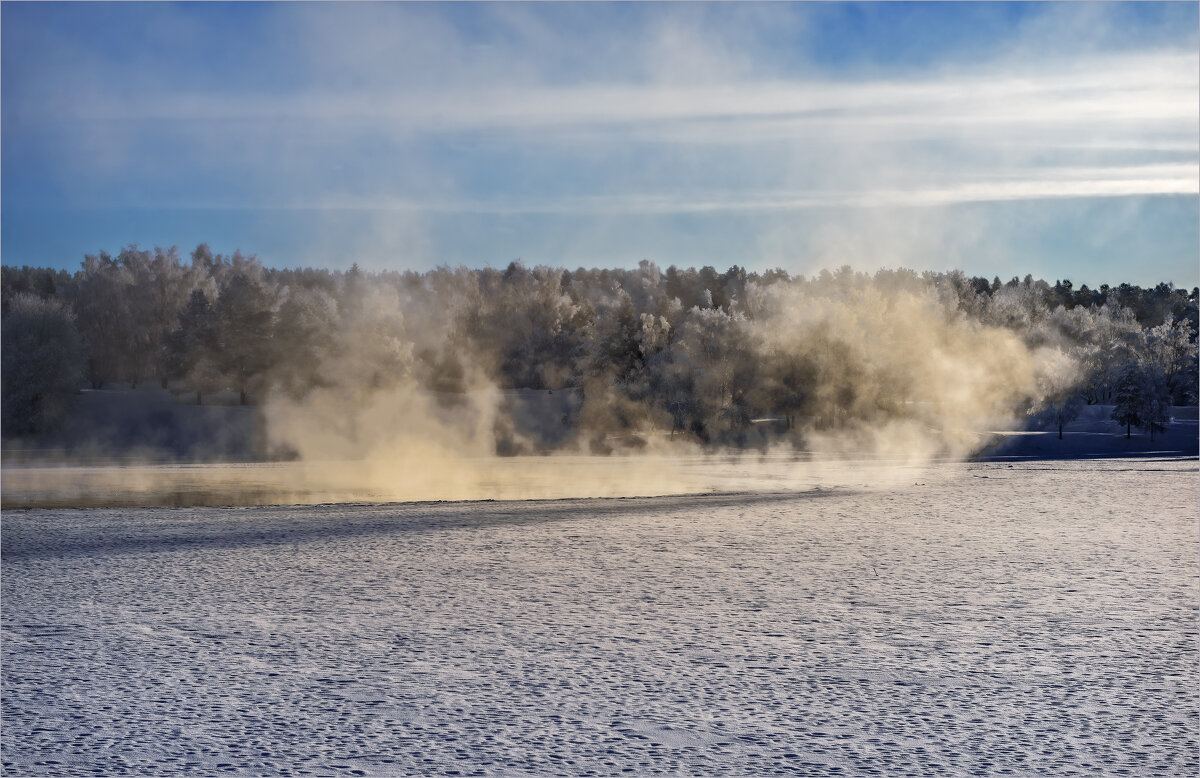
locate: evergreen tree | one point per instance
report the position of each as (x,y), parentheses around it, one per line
(1128,410)
(1155,402)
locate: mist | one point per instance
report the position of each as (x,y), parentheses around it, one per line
(414,400)
(544,382)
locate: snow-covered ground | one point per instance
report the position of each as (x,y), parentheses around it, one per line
(1028,617)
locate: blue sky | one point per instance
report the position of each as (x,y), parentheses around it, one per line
(1001,139)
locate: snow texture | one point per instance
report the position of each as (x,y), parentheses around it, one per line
(990,618)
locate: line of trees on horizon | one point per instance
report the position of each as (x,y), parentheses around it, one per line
(675,348)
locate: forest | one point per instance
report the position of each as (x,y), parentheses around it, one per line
(730,358)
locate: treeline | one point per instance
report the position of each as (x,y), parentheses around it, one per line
(700,353)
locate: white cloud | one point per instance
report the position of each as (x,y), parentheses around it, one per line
(1115,181)
(1138,90)
(989,134)
(400,112)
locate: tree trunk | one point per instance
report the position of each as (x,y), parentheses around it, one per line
(1060,426)
(164,382)
(242,396)
(198,398)
(1127,426)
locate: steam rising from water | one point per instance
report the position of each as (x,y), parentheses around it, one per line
(905,374)
(493,478)
(845,381)
(886,374)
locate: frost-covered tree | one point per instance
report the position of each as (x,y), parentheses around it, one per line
(789,382)
(1065,410)
(1155,409)
(613,338)
(42,282)
(1171,353)
(715,358)
(157,286)
(193,347)
(140,340)
(245,315)
(304,334)
(527,326)
(42,364)
(102,315)
(170,284)
(698,351)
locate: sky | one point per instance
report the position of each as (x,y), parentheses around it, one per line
(1061,140)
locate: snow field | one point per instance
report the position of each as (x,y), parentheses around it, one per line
(1032,618)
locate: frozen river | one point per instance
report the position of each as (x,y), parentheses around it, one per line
(1027,618)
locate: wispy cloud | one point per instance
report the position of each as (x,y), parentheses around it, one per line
(1057,183)
(597,112)
(1139,89)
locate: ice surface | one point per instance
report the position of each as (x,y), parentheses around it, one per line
(1033,617)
